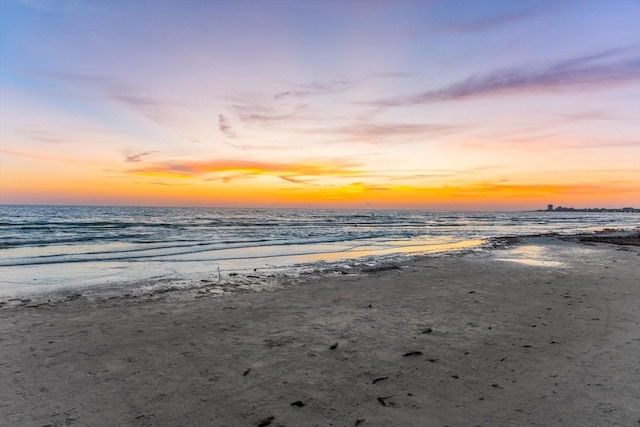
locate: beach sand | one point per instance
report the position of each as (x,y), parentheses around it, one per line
(539,331)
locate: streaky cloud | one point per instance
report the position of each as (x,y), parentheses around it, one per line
(282,94)
(315,88)
(25,155)
(373,133)
(267,115)
(116,90)
(152,108)
(135,158)
(337,86)
(225,127)
(391,75)
(262,118)
(608,144)
(327,86)
(596,115)
(332,167)
(293,180)
(597,70)
(138,101)
(45,136)
(367,187)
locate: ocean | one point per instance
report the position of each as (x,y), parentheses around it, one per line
(50,247)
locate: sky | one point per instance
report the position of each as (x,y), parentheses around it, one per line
(443,105)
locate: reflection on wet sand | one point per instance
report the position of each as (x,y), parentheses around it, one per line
(532,255)
(389,248)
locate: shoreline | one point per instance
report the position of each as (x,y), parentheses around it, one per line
(107,247)
(217,282)
(480,338)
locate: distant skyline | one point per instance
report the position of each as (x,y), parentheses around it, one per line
(458,104)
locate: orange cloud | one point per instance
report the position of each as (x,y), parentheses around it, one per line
(286,171)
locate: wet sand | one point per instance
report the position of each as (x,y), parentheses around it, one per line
(542,331)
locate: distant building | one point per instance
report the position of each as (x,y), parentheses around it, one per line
(550,208)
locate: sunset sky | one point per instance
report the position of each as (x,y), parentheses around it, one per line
(453,104)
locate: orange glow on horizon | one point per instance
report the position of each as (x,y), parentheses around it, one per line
(248,184)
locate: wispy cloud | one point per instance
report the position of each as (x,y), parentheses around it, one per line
(25,155)
(363,187)
(408,176)
(391,75)
(225,127)
(131,97)
(291,172)
(608,144)
(595,115)
(263,118)
(135,158)
(294,180)
(265,114)
(154,109)
(302,173)
(375,133)
(336,86)
(316,88)
(44,136)
(48,158)
(601,69)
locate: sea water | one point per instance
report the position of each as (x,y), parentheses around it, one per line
(49,246)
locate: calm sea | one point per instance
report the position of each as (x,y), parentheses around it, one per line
(48,246)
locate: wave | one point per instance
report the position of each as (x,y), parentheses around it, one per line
(175,250)
(44,235)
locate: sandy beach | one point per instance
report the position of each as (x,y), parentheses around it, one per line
(538,331)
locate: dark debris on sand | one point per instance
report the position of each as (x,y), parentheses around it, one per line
(265,422)
(632,240)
